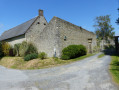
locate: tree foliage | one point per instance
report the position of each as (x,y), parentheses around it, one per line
(16,49)
(104,29)
(27,48)
(6,48)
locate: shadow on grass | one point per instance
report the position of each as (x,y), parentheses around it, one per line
(114,55)
(114,65)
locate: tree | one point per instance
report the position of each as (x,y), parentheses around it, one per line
(104,29)
(6,48)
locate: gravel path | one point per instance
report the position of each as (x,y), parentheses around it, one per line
(88,74)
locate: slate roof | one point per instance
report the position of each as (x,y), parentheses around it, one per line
(17,31)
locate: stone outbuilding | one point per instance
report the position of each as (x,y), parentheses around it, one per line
(50,37)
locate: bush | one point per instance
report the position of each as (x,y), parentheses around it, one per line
(1,52)
(16,49)
(95,49)
(11,53)
(22,49)
(109,47)
(6,48)
(27,48)
(73,51)
(30,56)
(82,49)
(31,49)
(42,55)
(65,57)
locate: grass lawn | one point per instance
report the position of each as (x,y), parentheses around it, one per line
(114,68)
(101,55)
(19,63)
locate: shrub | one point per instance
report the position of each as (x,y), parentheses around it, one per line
(109,47)
(27,48)
(73,51)
(11,53)
(65,57)
(42,55)
(22,49)
(30,56)
(1,52)
(6,47)
(16,49)
(82,50)
(31,49)
(95,49)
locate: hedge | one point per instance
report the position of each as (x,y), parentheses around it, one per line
(30,56)
(73,51)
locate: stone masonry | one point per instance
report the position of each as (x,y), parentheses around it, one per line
(50,37)
(54,34)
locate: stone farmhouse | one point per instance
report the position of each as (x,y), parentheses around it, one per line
(50,37)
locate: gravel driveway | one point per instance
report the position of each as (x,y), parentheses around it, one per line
(88,74)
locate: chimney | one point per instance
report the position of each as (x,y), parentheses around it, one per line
(40,12)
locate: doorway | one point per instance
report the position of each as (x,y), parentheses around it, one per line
(90,45)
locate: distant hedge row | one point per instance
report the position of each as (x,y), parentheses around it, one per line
(73,51)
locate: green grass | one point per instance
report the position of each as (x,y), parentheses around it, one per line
(114,68)
(19,63)
(59,61)
(82,57)
(101,55)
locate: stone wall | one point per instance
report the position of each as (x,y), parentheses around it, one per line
(34,31)
(51,39)
(74,35)
(47,40)
(15,40)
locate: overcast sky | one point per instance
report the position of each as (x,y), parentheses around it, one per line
(78,12)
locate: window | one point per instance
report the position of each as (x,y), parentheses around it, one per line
(65,38)
(38,22)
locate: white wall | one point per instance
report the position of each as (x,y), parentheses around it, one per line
(15,40)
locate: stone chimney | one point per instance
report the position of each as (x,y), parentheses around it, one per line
(40,12)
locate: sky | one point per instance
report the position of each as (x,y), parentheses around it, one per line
(78,12)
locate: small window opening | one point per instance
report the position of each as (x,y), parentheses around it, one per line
(38,22)
(80,27)
(65,38)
